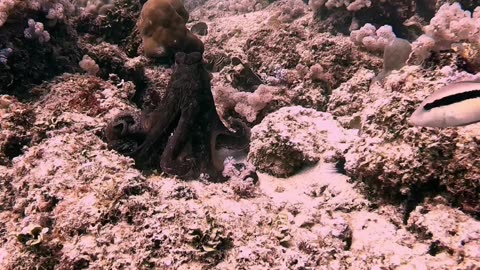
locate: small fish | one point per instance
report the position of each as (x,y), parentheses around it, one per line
(457,104)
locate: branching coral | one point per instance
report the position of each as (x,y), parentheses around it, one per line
(371,38)
(30,64)
(349,4)
(451,24)
(36,30)
(95,7)
(245,104)
(54,9)
(290,11)
(89,65)
(242,6)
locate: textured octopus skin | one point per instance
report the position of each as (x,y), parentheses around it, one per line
(182,132)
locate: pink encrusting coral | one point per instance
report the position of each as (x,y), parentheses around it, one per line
(333,176)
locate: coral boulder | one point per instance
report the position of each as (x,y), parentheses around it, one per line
(292,137)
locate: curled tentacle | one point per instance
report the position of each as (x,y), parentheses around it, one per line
(224,143)
(125,133)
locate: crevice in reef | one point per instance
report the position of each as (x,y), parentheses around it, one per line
(14,147)
(417,196)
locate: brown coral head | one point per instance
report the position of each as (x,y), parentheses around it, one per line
(152,49)
(163,30)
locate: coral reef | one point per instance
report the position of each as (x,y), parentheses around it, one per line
(89,65)
(113,60)
(447,230)
(248,105)
(449,25)
(360,188)
(41,41)
(338,16)
(373,39)
(292,137)
(15,129)
(348,100)
(399,161)
(121,16)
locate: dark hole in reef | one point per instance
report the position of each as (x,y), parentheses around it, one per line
(112,217)
(340,166)
(140,93)
(464,64)
(81,263)
(14,147)
(3,232)
(134,190)
(224,141)
(448,100)
(77,232)
(434,248)
(417,195)
(426,9)
(348,242)
(129,218)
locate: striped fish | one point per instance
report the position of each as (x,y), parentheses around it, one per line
(220,61)
(457,104)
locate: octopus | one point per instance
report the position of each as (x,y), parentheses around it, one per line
(183,134)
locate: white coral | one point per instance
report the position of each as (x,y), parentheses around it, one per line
(241,6)
(36,30)
(449,25)
(423,46)
(349,4)
(55,9)
(245,104)
(359,4)
(453,24)
(89,65)
(294,136)
(371,38)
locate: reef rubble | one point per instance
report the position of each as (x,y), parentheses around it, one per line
(335,177)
